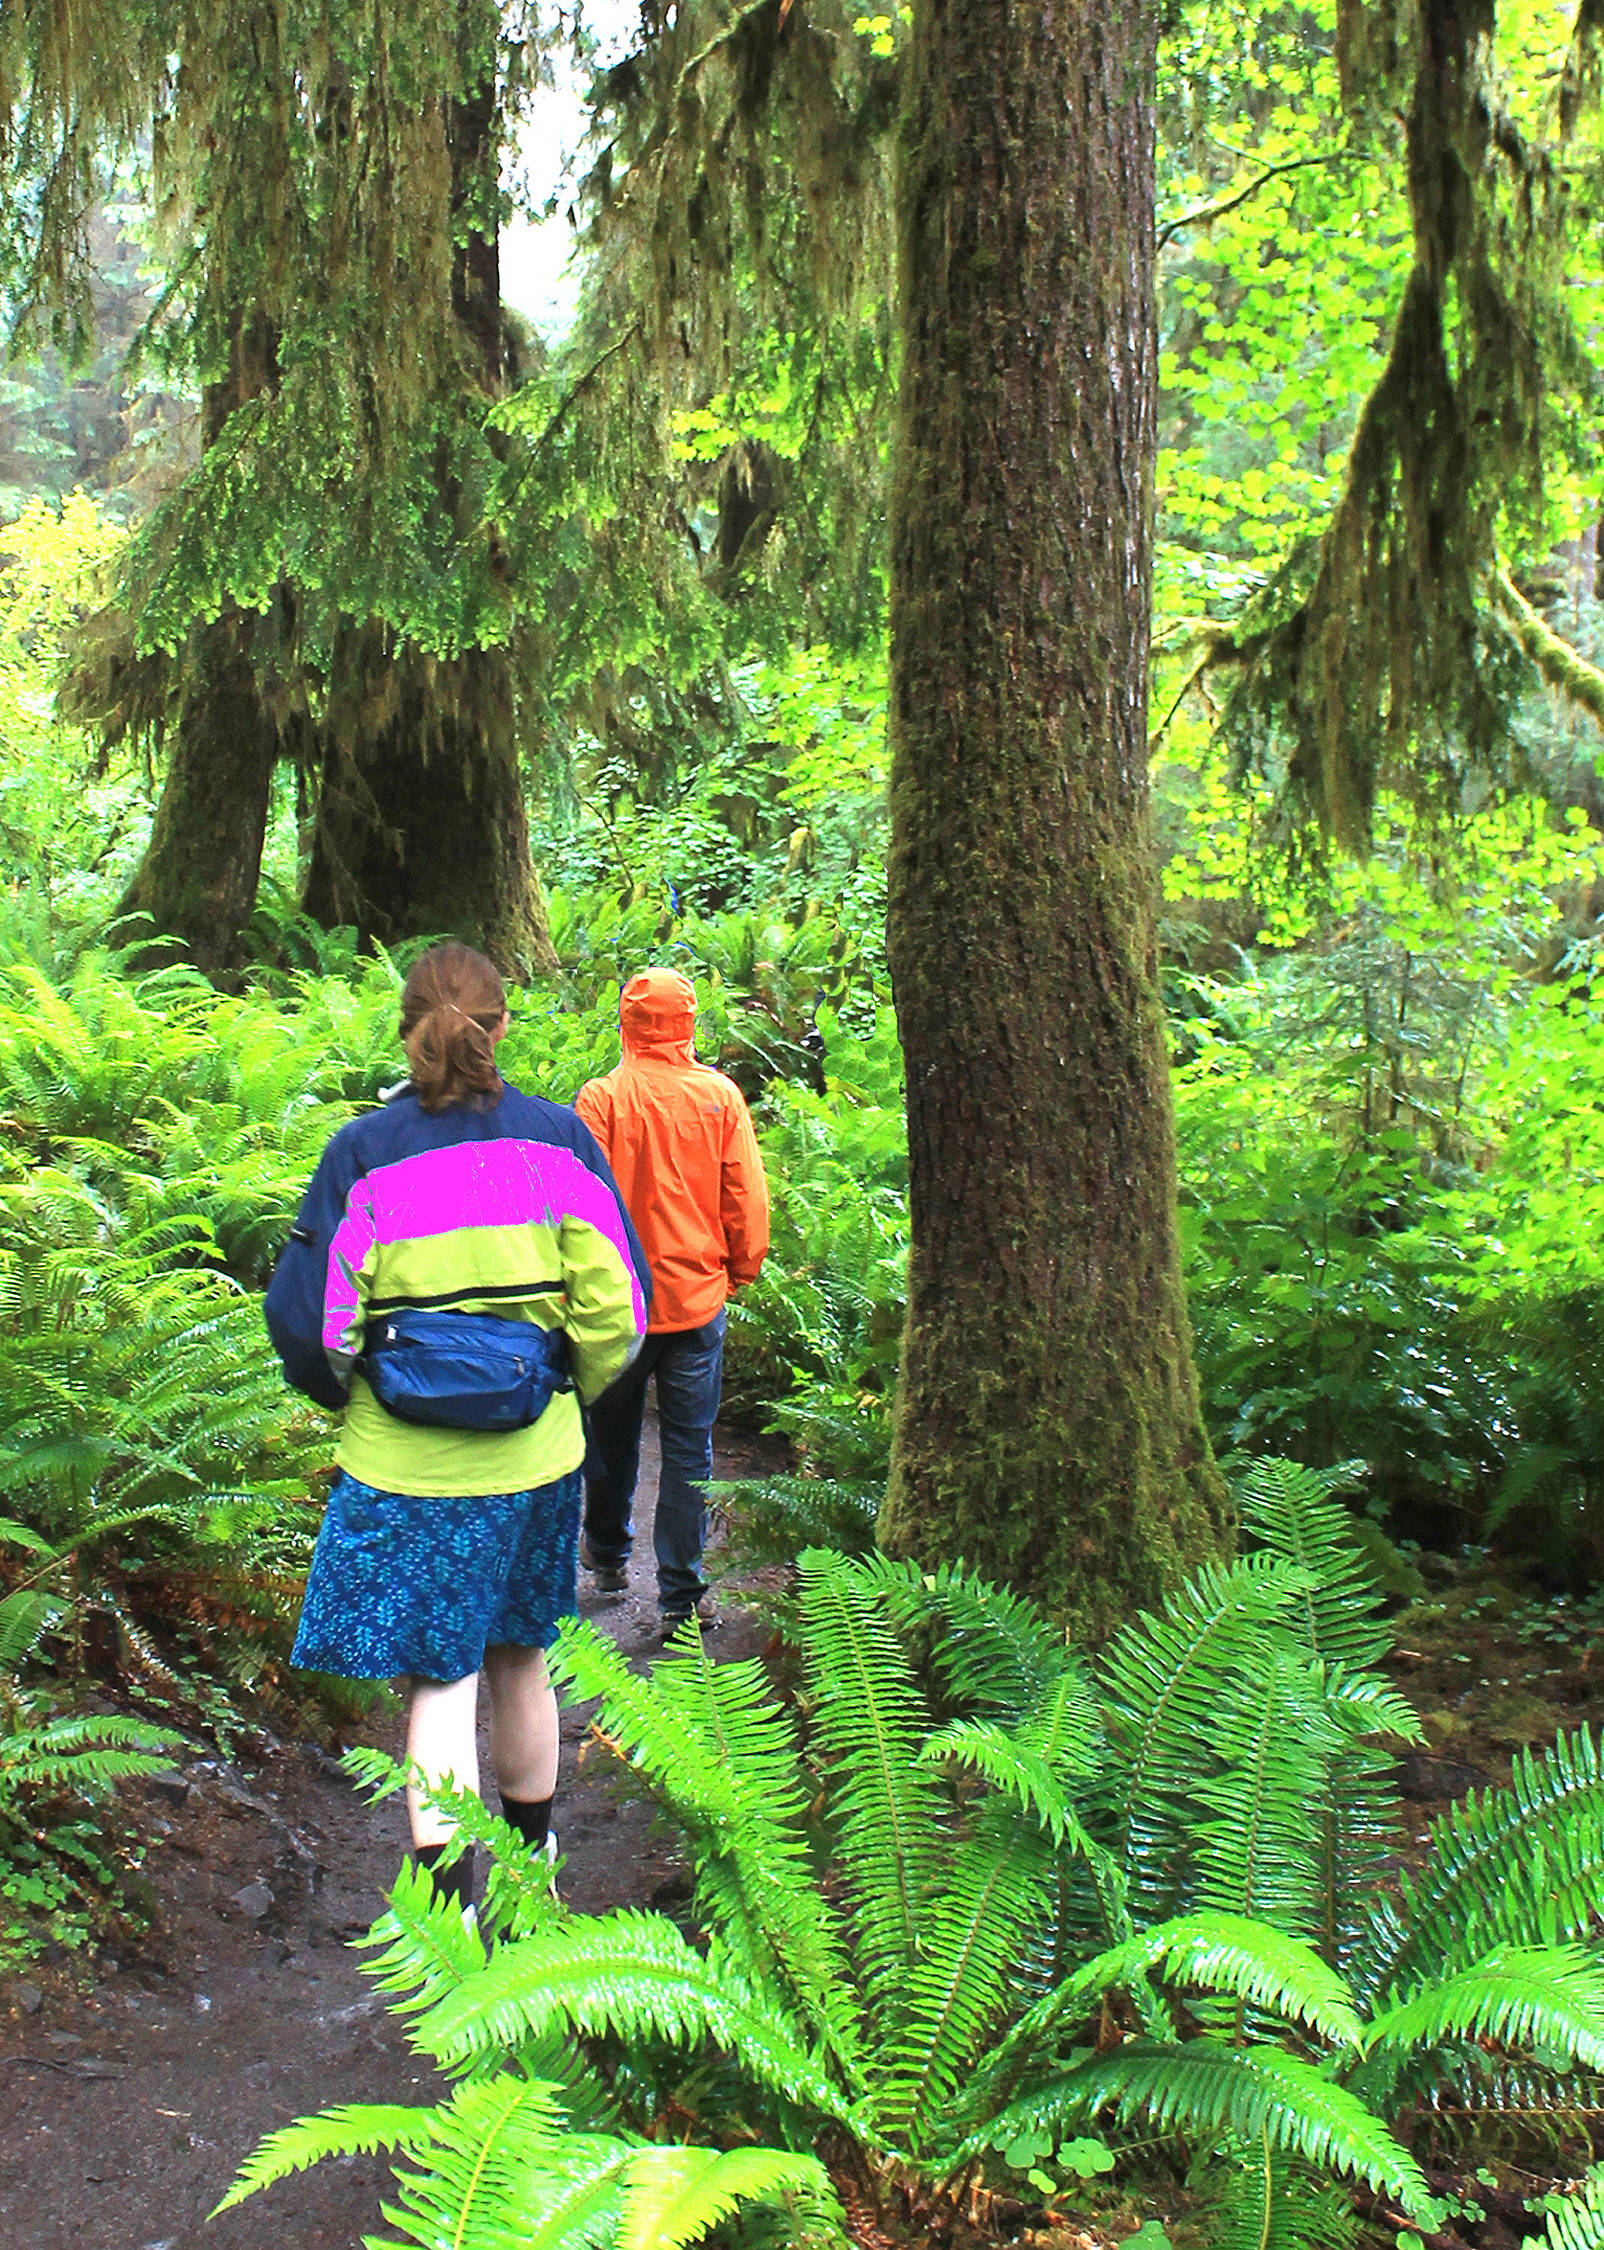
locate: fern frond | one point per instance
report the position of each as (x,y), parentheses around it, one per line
(1276,1742)
(994,1897)
(1259,2199)
(631,1975)
(674,2196)
(1161,1682)
(870,1723)
(1520,1865)
(579,2205)
(1356,1825)
(1016,1768)
(1578,2222)
(352,2129)
(1206,2091)
(1290,1510)
(87,1753)
(14,1534)
(1222,1954)
(25,1617)
(520,1895)
(1518,1996)
(995,1653)
(1368,1704)
(498,2151)
(1232,1955)
(428,1951)
(722,1753)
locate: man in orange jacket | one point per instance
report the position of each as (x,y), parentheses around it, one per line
(680,1144)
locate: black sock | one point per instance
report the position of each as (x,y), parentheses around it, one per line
(531,1818)
(454,1882)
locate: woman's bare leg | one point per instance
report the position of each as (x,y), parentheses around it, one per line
(442,1742)
(523,1724)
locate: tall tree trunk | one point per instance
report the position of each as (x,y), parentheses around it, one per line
(421,829)
(421,825)
(1048,1428)
(198,879)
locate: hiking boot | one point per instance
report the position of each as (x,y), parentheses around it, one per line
(609,1577)
(707,1614)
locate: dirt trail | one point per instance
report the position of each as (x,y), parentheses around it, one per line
(125,2114)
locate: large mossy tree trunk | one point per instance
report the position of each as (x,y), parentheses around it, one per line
(421,825)
(1048,1428)
(198,880)
(421,829)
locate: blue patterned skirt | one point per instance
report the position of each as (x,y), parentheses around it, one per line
(419,1586)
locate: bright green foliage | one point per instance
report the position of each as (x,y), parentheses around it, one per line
(297,168)
(476,2171)
(1240,2095)
(81,1754)
(1543,1996)
(1267,2203)
(1293,1512)
(68,830)
(1574,2222)
(55,1773)
(906,1926)
(1357,378)
(1528,1859)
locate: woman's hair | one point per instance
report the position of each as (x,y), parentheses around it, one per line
(452,1001)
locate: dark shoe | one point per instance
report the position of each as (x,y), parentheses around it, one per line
(707,1614)
(611,1578)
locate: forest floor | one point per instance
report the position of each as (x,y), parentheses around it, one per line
(129,2106)
(129,2103)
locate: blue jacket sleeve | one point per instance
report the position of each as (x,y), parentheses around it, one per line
(295,1306)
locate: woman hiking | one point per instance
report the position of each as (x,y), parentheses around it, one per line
(461,1275)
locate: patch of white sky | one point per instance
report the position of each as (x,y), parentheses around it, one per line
(539,276)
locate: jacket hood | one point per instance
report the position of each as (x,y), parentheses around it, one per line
(657,1015)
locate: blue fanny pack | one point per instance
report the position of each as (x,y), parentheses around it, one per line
(464,1371)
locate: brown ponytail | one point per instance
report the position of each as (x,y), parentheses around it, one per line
(451,1004)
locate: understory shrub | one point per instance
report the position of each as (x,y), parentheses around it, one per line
(971,1900)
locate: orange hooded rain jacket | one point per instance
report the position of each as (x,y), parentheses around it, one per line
(680,1143)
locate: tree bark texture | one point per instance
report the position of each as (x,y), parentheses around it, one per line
(202,867)
(421,829)
(198,879)
(1048,1428)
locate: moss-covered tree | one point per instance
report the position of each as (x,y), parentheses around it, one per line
(421,826)
(325,191)
(1048,1427)
(198,880)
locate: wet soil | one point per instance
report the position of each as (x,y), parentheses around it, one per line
(126,2110)
(1495,1666)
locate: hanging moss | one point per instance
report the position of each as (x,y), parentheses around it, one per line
(1385,661)
(325,191)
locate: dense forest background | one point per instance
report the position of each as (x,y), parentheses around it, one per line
(341,608)
(1376,948)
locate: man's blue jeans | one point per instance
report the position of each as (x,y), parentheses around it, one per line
(689,1366)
